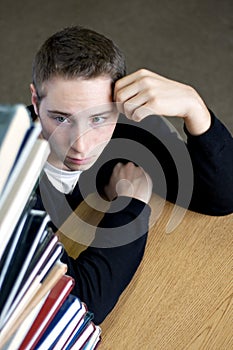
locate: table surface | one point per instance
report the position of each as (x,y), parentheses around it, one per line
(181,296)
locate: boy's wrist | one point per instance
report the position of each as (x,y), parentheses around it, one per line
(198,118)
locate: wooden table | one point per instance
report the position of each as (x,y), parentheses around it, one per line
(181,297)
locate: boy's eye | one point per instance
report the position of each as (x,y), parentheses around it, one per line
(98,120)
(61,119)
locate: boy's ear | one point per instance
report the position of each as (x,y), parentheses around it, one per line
(34,98)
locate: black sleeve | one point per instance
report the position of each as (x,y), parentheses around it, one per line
(197,174)
(212,158)
(104,269)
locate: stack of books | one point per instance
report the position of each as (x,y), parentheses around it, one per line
(37,308)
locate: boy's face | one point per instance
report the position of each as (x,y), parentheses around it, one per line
(78,118)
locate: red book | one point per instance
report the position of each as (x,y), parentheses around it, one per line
(52,304)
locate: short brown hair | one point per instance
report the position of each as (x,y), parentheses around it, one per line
(77,52)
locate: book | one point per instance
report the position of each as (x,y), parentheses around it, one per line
(93,340)
(58,270)
(13,243)
(54,301)
(68,310)
(12,207)
(82,338)
(14,124)
(65,335)
(32,232)
(14,316)
(58,250)
(81,333)
(41,258)
(23,153)
(17,338)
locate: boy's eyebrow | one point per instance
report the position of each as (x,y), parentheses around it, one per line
(102,112)
(59,112)
(68,115)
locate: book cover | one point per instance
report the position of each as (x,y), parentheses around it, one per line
(14,124)
(20,314)
(76,323)
(68,310)
(16,339)
(93,340)
(13,205)
(23,153)
(81,333)
(13,243)
(40,275)
(55,299)
(32,232)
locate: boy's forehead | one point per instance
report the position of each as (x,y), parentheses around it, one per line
(56,82)
(71,96)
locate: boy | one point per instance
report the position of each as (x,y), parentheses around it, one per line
(88,107)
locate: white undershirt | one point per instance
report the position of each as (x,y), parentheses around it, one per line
(63,180)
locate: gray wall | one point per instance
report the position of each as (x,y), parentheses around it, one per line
(189,41)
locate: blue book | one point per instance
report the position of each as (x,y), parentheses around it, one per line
(64,316)
(70,330)
(79,331)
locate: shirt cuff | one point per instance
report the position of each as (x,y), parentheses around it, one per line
(212,141)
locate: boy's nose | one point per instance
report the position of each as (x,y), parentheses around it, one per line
(80,142)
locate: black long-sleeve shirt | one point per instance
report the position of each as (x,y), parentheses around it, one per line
(197,174)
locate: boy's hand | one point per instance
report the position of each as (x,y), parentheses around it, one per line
(131,181)
(142,93)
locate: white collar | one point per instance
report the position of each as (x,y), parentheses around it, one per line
(63,180)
